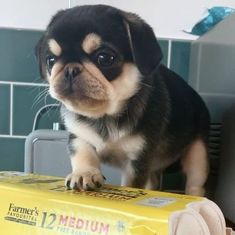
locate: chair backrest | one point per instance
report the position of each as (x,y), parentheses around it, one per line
(46,153)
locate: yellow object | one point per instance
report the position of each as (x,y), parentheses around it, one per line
(41,205)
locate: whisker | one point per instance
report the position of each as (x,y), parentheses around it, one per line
(147,85)
(42,94)
(54,107)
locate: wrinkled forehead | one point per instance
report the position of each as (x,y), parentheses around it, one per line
(90,43)
(87,32)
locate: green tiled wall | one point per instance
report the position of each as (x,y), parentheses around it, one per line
(18,65)
(164,48)
(17,58)
(180,53)
(4,109)
(11,154)
(26,104)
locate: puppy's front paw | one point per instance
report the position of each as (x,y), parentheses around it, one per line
(85,179)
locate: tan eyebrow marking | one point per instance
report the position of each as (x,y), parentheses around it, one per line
(91,42)
(54,47)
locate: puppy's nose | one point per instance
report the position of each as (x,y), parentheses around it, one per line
(71,71)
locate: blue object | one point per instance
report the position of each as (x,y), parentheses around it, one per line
(215,15)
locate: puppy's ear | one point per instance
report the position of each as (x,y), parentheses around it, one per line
(146,51)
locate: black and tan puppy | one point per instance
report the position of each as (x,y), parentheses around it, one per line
(121,106)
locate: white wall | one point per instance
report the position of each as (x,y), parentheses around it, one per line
(29,14)
(167,17)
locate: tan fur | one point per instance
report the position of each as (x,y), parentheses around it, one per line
(56,74)
(93,72)
(72,66)
(195,166)
(153,181)
(111,95)
(86,166)
(95,105)
(102,96)
(119,151)
(131,145)
(123,87)
(85,156)
(119,140)
(127,84)
(84,131)
(57,70)
(54,47)
(86,160)
(91,42)
(128,175)
(90,107)
(121,144)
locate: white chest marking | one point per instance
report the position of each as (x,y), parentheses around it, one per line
(115,133)
(84,131)
(132,145)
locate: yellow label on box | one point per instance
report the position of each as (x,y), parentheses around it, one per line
(34,204)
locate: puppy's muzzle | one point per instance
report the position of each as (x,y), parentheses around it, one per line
(71,71)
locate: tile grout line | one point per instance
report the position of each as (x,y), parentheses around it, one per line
(24,84)
(169,54)
(199,68)
(216,94)
(11,109)
(13,136)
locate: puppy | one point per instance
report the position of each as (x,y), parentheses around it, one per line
(120,105)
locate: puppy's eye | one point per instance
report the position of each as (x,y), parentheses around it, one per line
(50,61)
(105,59)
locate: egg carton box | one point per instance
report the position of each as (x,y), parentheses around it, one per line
(42,205)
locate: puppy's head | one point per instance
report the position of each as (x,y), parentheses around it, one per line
(96,57)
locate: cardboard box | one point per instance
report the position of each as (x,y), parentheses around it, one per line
(41,205)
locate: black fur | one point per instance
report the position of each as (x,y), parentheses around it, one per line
(165,110)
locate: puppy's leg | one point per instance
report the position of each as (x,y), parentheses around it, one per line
(134,177)
(153,182)
(195,166)
(86,172)
(128,175)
